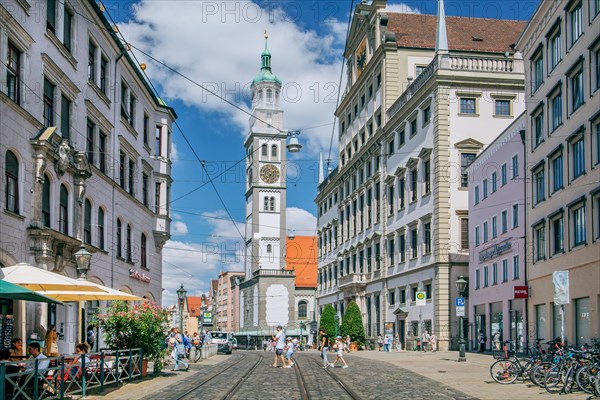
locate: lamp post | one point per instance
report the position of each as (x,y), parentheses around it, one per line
(302,326)
(181,292)
(461,286)
(82,260)
(336,318)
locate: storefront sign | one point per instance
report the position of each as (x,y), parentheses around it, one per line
(140,276)
(521,292)
(495,251)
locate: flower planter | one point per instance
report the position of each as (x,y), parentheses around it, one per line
(144,367)
(353,346)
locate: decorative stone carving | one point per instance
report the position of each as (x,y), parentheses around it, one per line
(65,157)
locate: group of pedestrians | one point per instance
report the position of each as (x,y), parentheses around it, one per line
(284,344)
(340,346)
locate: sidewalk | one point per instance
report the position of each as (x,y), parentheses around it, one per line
(144,389)
(471,377)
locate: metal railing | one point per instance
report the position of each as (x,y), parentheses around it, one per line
(63,377)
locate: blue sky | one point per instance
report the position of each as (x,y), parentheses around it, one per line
(218,44)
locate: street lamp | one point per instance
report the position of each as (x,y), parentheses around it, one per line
(302,326)
(181,292)
(461,286)
(294,146)
(82,260)
(336,318)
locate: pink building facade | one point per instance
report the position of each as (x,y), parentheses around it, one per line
(497,251)
(228,302)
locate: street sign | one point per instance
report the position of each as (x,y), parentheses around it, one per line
(460,311)
(460,302)
(421,299)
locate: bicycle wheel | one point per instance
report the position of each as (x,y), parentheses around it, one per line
(584,375)
(505,371)
(538,373)
(198,354)
(555,378)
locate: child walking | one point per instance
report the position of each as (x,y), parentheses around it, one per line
(340,347)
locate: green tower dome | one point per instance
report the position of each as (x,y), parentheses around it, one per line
(265,74)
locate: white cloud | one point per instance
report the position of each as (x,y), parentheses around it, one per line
(300,221)
(179,228)
(218,44)
(402,8)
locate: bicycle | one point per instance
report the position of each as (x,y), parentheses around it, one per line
(508,367)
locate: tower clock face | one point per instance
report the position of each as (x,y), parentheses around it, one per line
(269,174)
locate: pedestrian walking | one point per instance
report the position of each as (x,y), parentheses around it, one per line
(178,350)
(348,342)
(387,344)
(290,347)
(324,348)
(379,342)
(496,340)
(396,343)
(425,339)
(279,338)
(482,340)
(339,356)
(433,341)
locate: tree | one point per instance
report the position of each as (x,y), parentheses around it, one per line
(327,322)
(352,324)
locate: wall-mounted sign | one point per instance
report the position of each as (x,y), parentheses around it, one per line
(521,292)
(495,250)
(140,276)
(207,317)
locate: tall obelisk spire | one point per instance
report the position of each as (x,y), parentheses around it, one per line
(441,39)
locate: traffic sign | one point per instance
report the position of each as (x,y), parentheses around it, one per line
(421,301)
(460,302)
(460,311)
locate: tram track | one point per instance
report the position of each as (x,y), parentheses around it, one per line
(244,378)
(353,395)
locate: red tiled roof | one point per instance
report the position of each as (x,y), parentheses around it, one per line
(468,34)
(194,305)
(301,255)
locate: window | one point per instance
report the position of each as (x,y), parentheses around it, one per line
(558,243)
(494,227)
(428,291)
(391,148)
(146,134)
(157,205)
(516,268)
(131,178)
(515,216)
(91,129)
(466,159)
(63,210)
(539,185)
(46,210)
(101,228)
(578,225)
(48,103)
(274,150)
(537,71)
(413,127)
(595,73)
(464,233)
(13,73)
(539,234)
(102,152)
(427,238)
(477,279)
(503,174)
(68,29)
(557,172)
(401,190)
(145,197)
(467,105)
(555,47)
(128,244)
(486,281)
(401,138)
(12,182)
(391,199)
(158,141)
(485,189)
(103,74)
(538,128)
(413,185)
(65,117)
(128,102)
(426,115)
(504,270)
(502,108)
(272,204)
(427,176)
(87,222)
(494,273)
(476,195)
(91,61)
(494,181)
(119,239)
(485,232)
(504,221)
(51,15)
(575,23)
(556,110)
(515,166)
(413,243)
(476,236)
(391,251)
(419,69)
(402,247)
(264,150)
(302,309)
(143,251)
(577,92)
(578,151)
(122,169)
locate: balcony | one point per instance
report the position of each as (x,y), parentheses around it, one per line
(273,272)
(356,280)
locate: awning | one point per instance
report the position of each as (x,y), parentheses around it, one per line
(106,294)
(40,280)
(15,292)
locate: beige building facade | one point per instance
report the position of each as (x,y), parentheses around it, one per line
(561,49)
(227,315)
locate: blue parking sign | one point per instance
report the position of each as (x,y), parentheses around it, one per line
(460,302)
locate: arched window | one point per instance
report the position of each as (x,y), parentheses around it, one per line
(274,150)
(302,309)
(143,246)
(264,150)
(46,216)
(101,228)
(266,204)
(63,210)
(12,182)
(129,258)
(269,248)
(87,222)
(272,204)
(119,239)
(269,95)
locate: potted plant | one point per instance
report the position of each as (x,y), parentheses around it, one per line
(352,326)
(139,326)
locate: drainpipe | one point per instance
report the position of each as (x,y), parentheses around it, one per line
(522,132)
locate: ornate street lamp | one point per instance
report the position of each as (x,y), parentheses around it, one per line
(302,326)
(181,293)
(461,286)
(294,146)
(82,260)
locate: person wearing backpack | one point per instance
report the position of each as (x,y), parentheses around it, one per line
(482,341)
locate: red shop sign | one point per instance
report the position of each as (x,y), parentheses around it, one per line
(521,292)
